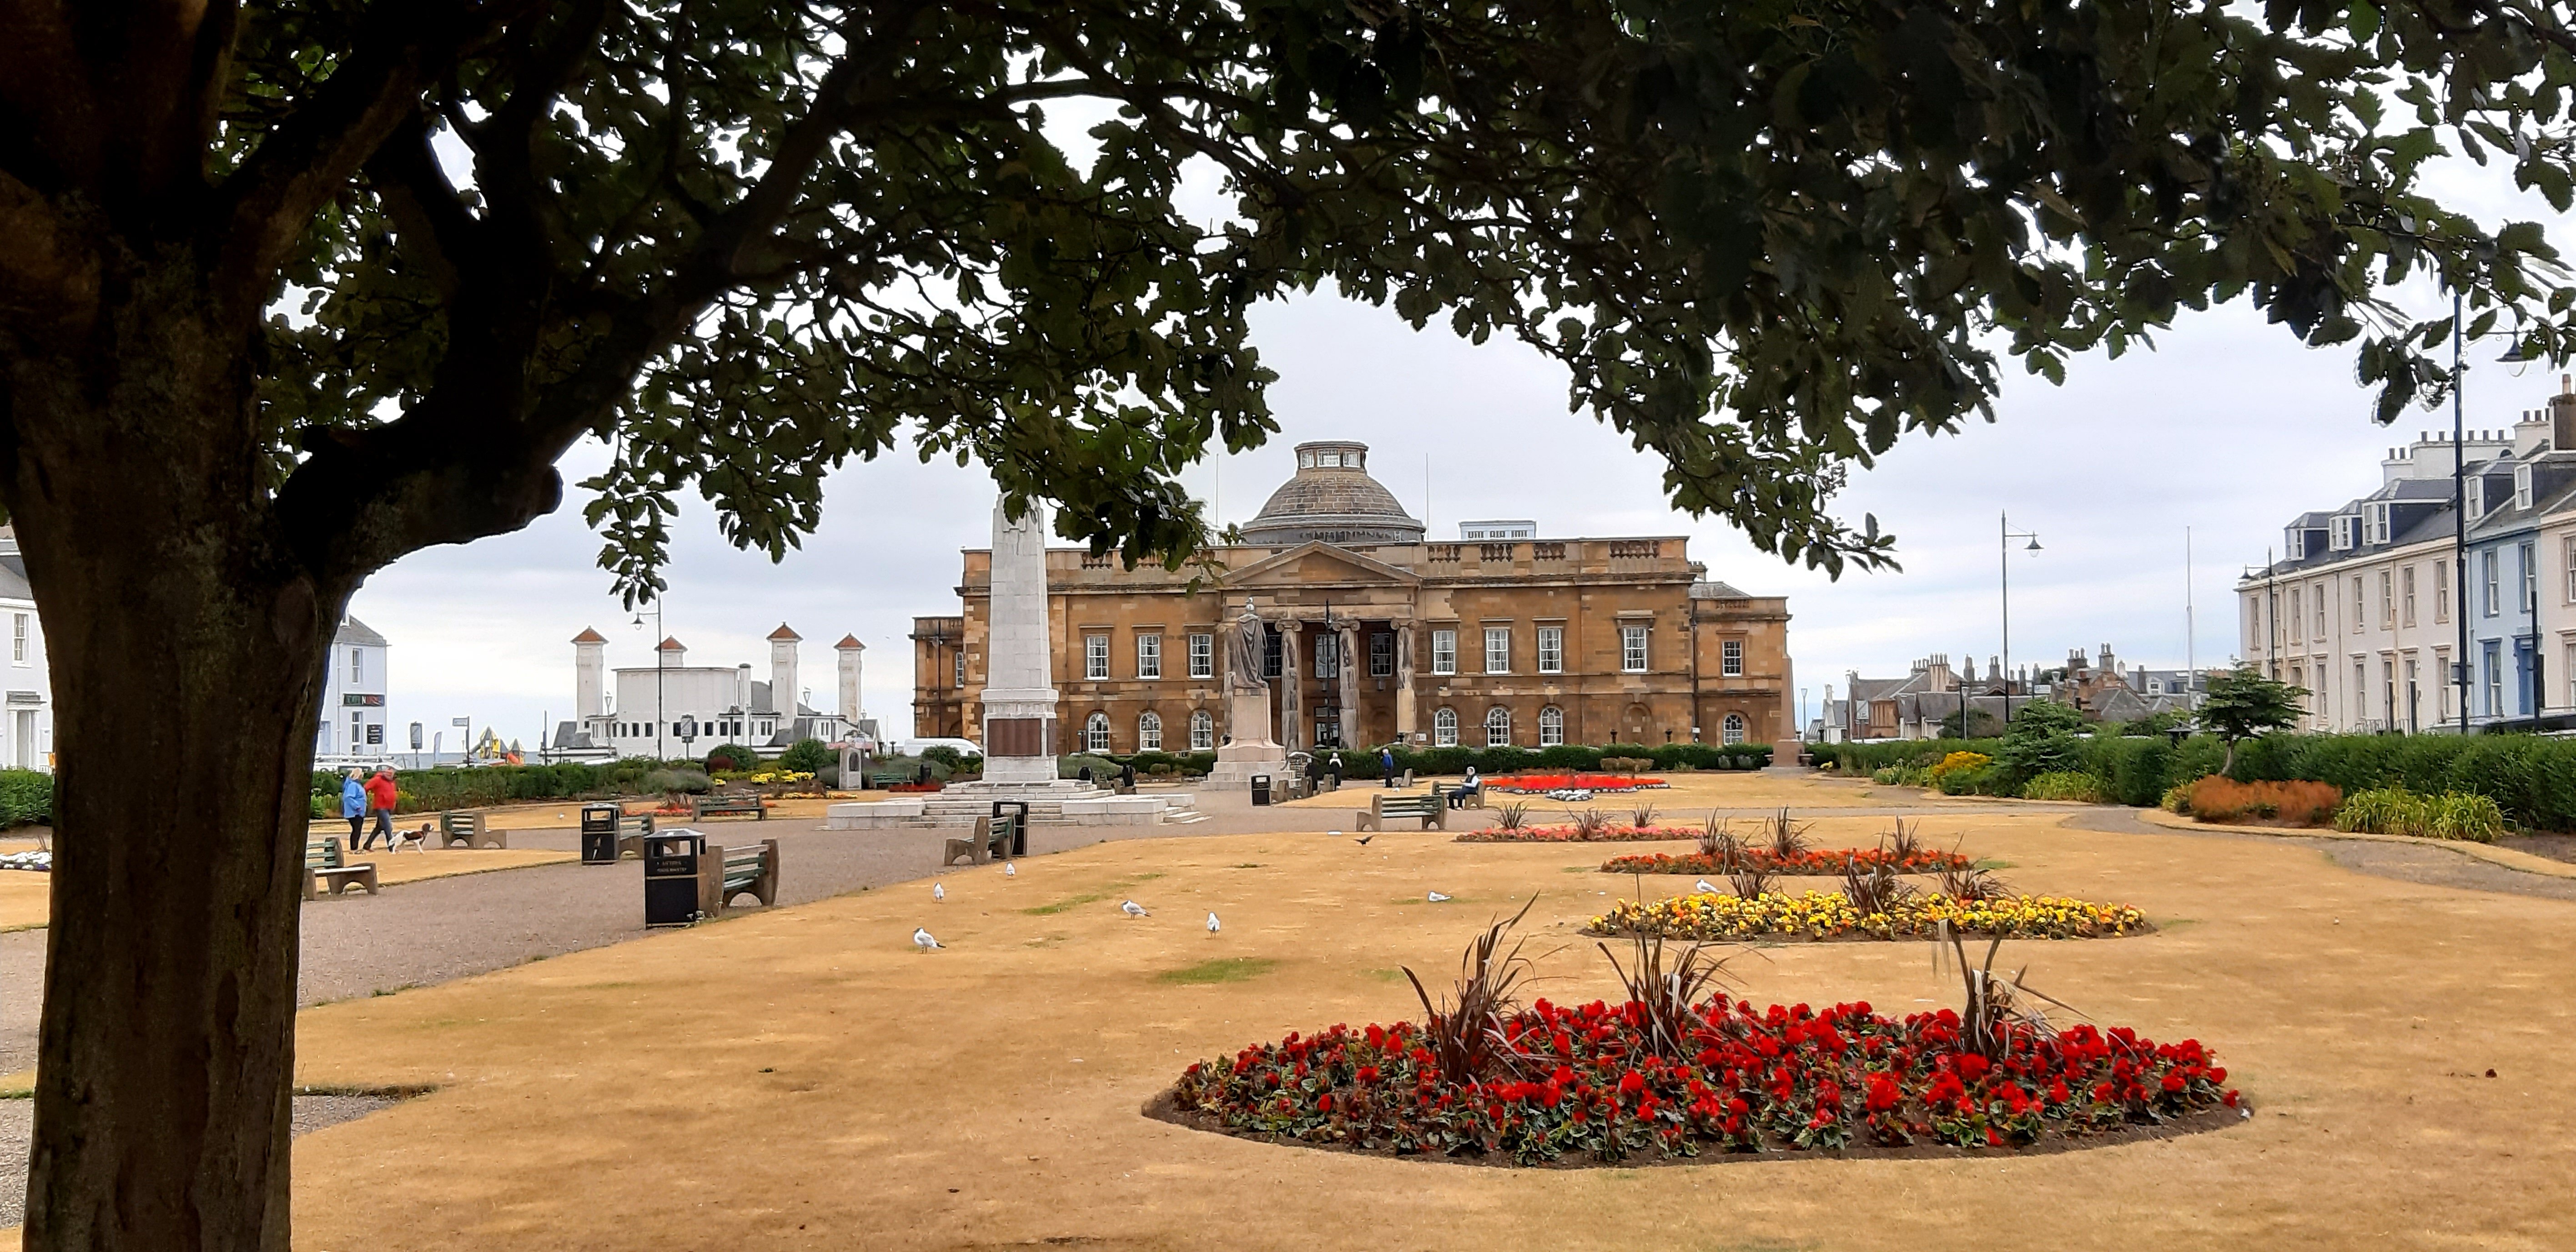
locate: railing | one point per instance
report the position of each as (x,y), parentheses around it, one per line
(1095,560)
(1547,552)
(1446,553)
(1501,552)
(1635,549)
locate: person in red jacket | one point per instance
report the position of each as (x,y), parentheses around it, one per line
(380,802)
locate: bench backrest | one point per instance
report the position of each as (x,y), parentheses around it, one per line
(322,854)
(638,824)
(454,823)
(1402,806)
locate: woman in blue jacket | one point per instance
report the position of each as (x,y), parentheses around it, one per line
(353,803)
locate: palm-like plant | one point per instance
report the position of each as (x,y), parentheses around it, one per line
(1466,1034)
(1668,995)
(1643,817)
(1718,843)
(1513,816)
(1788,839)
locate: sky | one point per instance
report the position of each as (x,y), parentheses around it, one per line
(2215,439)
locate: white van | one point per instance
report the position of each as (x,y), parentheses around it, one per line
(915,747)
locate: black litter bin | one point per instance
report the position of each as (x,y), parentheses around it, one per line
(599,833)
(1016,814)
(1261,789)
(671,877)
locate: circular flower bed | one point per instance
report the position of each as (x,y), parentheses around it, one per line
(1832,915)
(1586,1083)
(1573,782)
(1577,834)
(1819,861)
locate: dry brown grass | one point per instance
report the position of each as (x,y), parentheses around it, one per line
(2218,798)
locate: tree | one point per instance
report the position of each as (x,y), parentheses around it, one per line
(2042,739)
(807,756)
(1981,724)
(2244,704)
(291,289)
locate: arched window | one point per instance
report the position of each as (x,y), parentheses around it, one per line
(1149,732)
(1498,726)
(1551,726)
(1202,731)
(1734,728)
(1444,728)
(1095,733)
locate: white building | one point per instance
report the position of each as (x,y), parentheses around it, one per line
(353,699)
(646,710)
(2367,606)
(27,733)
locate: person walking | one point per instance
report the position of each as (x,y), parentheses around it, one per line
(381,797)
(1466,788)
(1386,765)
(353,802)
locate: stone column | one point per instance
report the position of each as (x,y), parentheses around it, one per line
(1404,712)
(1019,692)
(1350,685)
(1291,706)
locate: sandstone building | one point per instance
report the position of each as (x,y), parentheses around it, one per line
(1374,634)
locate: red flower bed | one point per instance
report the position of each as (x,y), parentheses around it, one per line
(1818,861)
(1574,834)
(1574,782)
(1583,1082)
(913,788)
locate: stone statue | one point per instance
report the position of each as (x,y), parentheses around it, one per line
(1243,650)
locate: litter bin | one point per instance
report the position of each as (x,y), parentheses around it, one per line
(671,877)
(599,833)
(1261,789)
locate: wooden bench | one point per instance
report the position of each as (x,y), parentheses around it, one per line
(324,866)
(700,807)
(991,842)
(468,828)
(1475,799)
(1430,810)
(724,873)
(631,829)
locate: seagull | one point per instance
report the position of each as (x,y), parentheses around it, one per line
(1133,909)
(938,891)
(921,939)
(1365,838)
(1704,889)
(1010,869)
(1211,923)
(1437,898)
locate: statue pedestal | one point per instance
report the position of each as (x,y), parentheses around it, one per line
(1248,753)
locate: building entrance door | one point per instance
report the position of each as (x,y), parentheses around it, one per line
(22,738)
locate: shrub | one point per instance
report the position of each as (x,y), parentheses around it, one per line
(731,756)
(1626,764)
(1957,762)
(2219,798)
(2176,799)
(808,756)
(679,782)
(2064,785)
(2397,811)
(1102,768)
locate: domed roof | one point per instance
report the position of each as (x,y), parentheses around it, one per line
(1332,499)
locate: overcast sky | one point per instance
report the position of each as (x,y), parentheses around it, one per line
(2229,428)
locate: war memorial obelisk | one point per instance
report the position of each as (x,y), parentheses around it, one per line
(1020,746)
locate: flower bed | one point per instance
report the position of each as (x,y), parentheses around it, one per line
(1818,861)
(1831,915)
(1575,834)
(1573,782)
(1585,1083)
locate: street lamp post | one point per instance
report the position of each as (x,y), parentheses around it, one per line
(658,661)
(2003,548)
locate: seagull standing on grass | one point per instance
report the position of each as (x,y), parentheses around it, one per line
(1211,923)
(1010,869)
(1437,898)
(1133,909)
(938,891)
(921,939)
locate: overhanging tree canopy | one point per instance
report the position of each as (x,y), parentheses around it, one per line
(290,290)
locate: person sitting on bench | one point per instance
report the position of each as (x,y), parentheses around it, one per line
(1458,798)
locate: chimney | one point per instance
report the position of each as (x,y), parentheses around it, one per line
(589,674)
(850,649)
(2562,417)
(782,670)
(742,690)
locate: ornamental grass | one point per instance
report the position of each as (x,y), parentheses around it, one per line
(1825,862)
(1606,1083)
(1832,915)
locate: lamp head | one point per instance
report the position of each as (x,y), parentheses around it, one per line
(2034,544)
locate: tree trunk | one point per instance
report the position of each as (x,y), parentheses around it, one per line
(186,643)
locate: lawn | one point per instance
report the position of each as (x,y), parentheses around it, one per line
(804,1078)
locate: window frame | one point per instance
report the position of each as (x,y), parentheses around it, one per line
(1732,729)
(2487,574)
(1634,658)
(2406,595)
(2442,593)
(1502,636)
(1444,652)
(1551,726)
(1149,656)
(1095,733)
(1498,726)
(1149,731)
(1326,660)
(2528,553)
(1730,658)
(1444,727)
(1551,649)
(1381,654)
(1202,655)
(2387,599)
(18,634)
(1095,658)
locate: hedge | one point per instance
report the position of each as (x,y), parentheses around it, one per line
(433,790)
(26,798)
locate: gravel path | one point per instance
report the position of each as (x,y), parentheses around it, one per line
(2427,863)
(17,1126)
(423,933)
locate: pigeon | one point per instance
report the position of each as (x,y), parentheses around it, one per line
(938,891)
(1211,923)
(1437,898)
(1133,909)
(1704,889)
(921,939)
(1010,869)
(1365,838)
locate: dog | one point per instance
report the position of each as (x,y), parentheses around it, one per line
(418,839)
